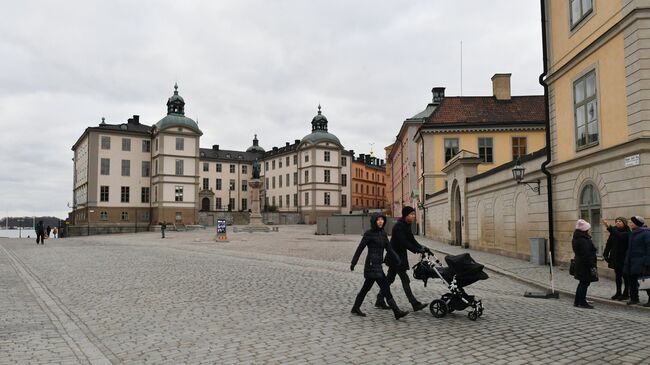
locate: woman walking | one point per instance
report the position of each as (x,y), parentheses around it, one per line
(614,254)
(377,241)
(585,262)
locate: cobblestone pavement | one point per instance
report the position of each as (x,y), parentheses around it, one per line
(275,298)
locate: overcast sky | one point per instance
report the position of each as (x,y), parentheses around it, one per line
(243,67)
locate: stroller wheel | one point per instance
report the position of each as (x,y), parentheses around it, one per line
(448,298)
(438,308)
(473,315)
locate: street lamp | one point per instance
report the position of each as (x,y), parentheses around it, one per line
(518,174)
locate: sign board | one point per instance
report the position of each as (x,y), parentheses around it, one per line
(632,160)
(221,230)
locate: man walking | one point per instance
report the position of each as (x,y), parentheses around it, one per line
(163,226)
(40,231)
(401,240)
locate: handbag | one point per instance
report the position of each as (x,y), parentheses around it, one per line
(644,282)
(593,272)
(572,268)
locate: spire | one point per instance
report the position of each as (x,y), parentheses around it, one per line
(176,88)
(176,104)
(256,141)
(319,113)
(319,123)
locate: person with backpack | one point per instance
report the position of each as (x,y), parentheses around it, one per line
(376,240)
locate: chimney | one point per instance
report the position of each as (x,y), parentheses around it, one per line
(130,121)
(215,147)
(287,144)
(136,119)
(501,86)
(438,95)
(297,141)
(362,157)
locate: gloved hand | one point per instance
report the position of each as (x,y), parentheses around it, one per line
(351,267)
(427,250)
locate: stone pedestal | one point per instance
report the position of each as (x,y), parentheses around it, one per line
(256,217)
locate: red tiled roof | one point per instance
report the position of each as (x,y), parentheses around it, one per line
(488,110)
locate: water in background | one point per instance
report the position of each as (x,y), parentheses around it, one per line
(13,233)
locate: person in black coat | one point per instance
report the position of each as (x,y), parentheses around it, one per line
(637,259)
(376,240)
(585,262)
(402,240)
(40,231)
(614,254)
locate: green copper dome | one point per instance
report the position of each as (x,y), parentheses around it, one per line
(176,114)
(319,131)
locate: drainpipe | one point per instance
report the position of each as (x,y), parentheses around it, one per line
(423,195)
(549,180)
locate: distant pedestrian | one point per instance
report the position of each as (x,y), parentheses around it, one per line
(402,239)
(163,227)
(55,232)
(585,262)
(376,240)
(637,259)
(614,254)
(40,232)
(48,230)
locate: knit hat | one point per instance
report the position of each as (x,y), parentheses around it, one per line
(638,220)
(407,210)
(622,219)
(583,225)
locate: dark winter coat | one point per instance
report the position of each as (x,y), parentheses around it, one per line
(377,241)
(616,247)
(39,228)
(401,240)
(637,259)
(585,255)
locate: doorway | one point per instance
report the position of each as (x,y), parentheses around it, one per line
(458,220)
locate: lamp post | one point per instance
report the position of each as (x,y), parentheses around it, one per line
(518,174)
(20,228)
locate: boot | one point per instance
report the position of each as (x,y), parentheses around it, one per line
(616,296)
(356,308)
(381,303)
(418,306)
(396,311)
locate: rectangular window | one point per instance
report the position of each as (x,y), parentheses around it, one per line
(327,156)
(178,193)
(295,159)
(145,216)
(218,167)
(144,195)
(103,193)
(485,152)
(266,166)
(344,179)
(231,205)
(206,183)
(124,194)
(206,167)
(244,204)
(288,161)
(126,167)
(218,184)
(273,182)
(124,216)
(344,162)
(286,198)
(155,193)
(295,200)
(273,201)
(103,216)
(287,180)
(146,168)
(295,178)
(244,185)
(106,142)
(344,200)
(306,157)
(306,198)
(146,145)
(179,167)
(327,176)
(218,202)
(105,166)
(306,176)
(519,147)
(156,144)
(232,169)
(126,144)
(280,181)
(280,163)
(327,198)
(280,201)
(231,185)
(156,167)
(451,148)
(244,169)
(586,110)
(273,164)
(180,143)
(266,184)
(579,10)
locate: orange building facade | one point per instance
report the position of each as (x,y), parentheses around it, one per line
(368,183)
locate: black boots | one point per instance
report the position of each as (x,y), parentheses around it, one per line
(356,308)
(381,303)
(418,306)
(396,311)
(357,311)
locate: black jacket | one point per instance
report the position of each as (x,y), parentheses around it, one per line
(637,259)
(616,247)
(401,240)
(377,241)
(585,255)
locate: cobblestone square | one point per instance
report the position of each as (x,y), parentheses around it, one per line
(275,298)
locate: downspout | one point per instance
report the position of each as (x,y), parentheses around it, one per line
(549,177)
(423,195)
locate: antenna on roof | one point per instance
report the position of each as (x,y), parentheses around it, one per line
(372,153)
(461,68)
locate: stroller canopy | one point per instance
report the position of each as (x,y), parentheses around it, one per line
(467,270)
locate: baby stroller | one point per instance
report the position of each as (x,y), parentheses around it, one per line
(462,271)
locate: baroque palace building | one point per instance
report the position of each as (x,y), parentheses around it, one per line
(129,176)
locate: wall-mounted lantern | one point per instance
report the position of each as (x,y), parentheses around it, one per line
(518,174)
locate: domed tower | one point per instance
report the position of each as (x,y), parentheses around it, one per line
(255,148)
(175,165)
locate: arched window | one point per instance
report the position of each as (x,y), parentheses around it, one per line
(590,211)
